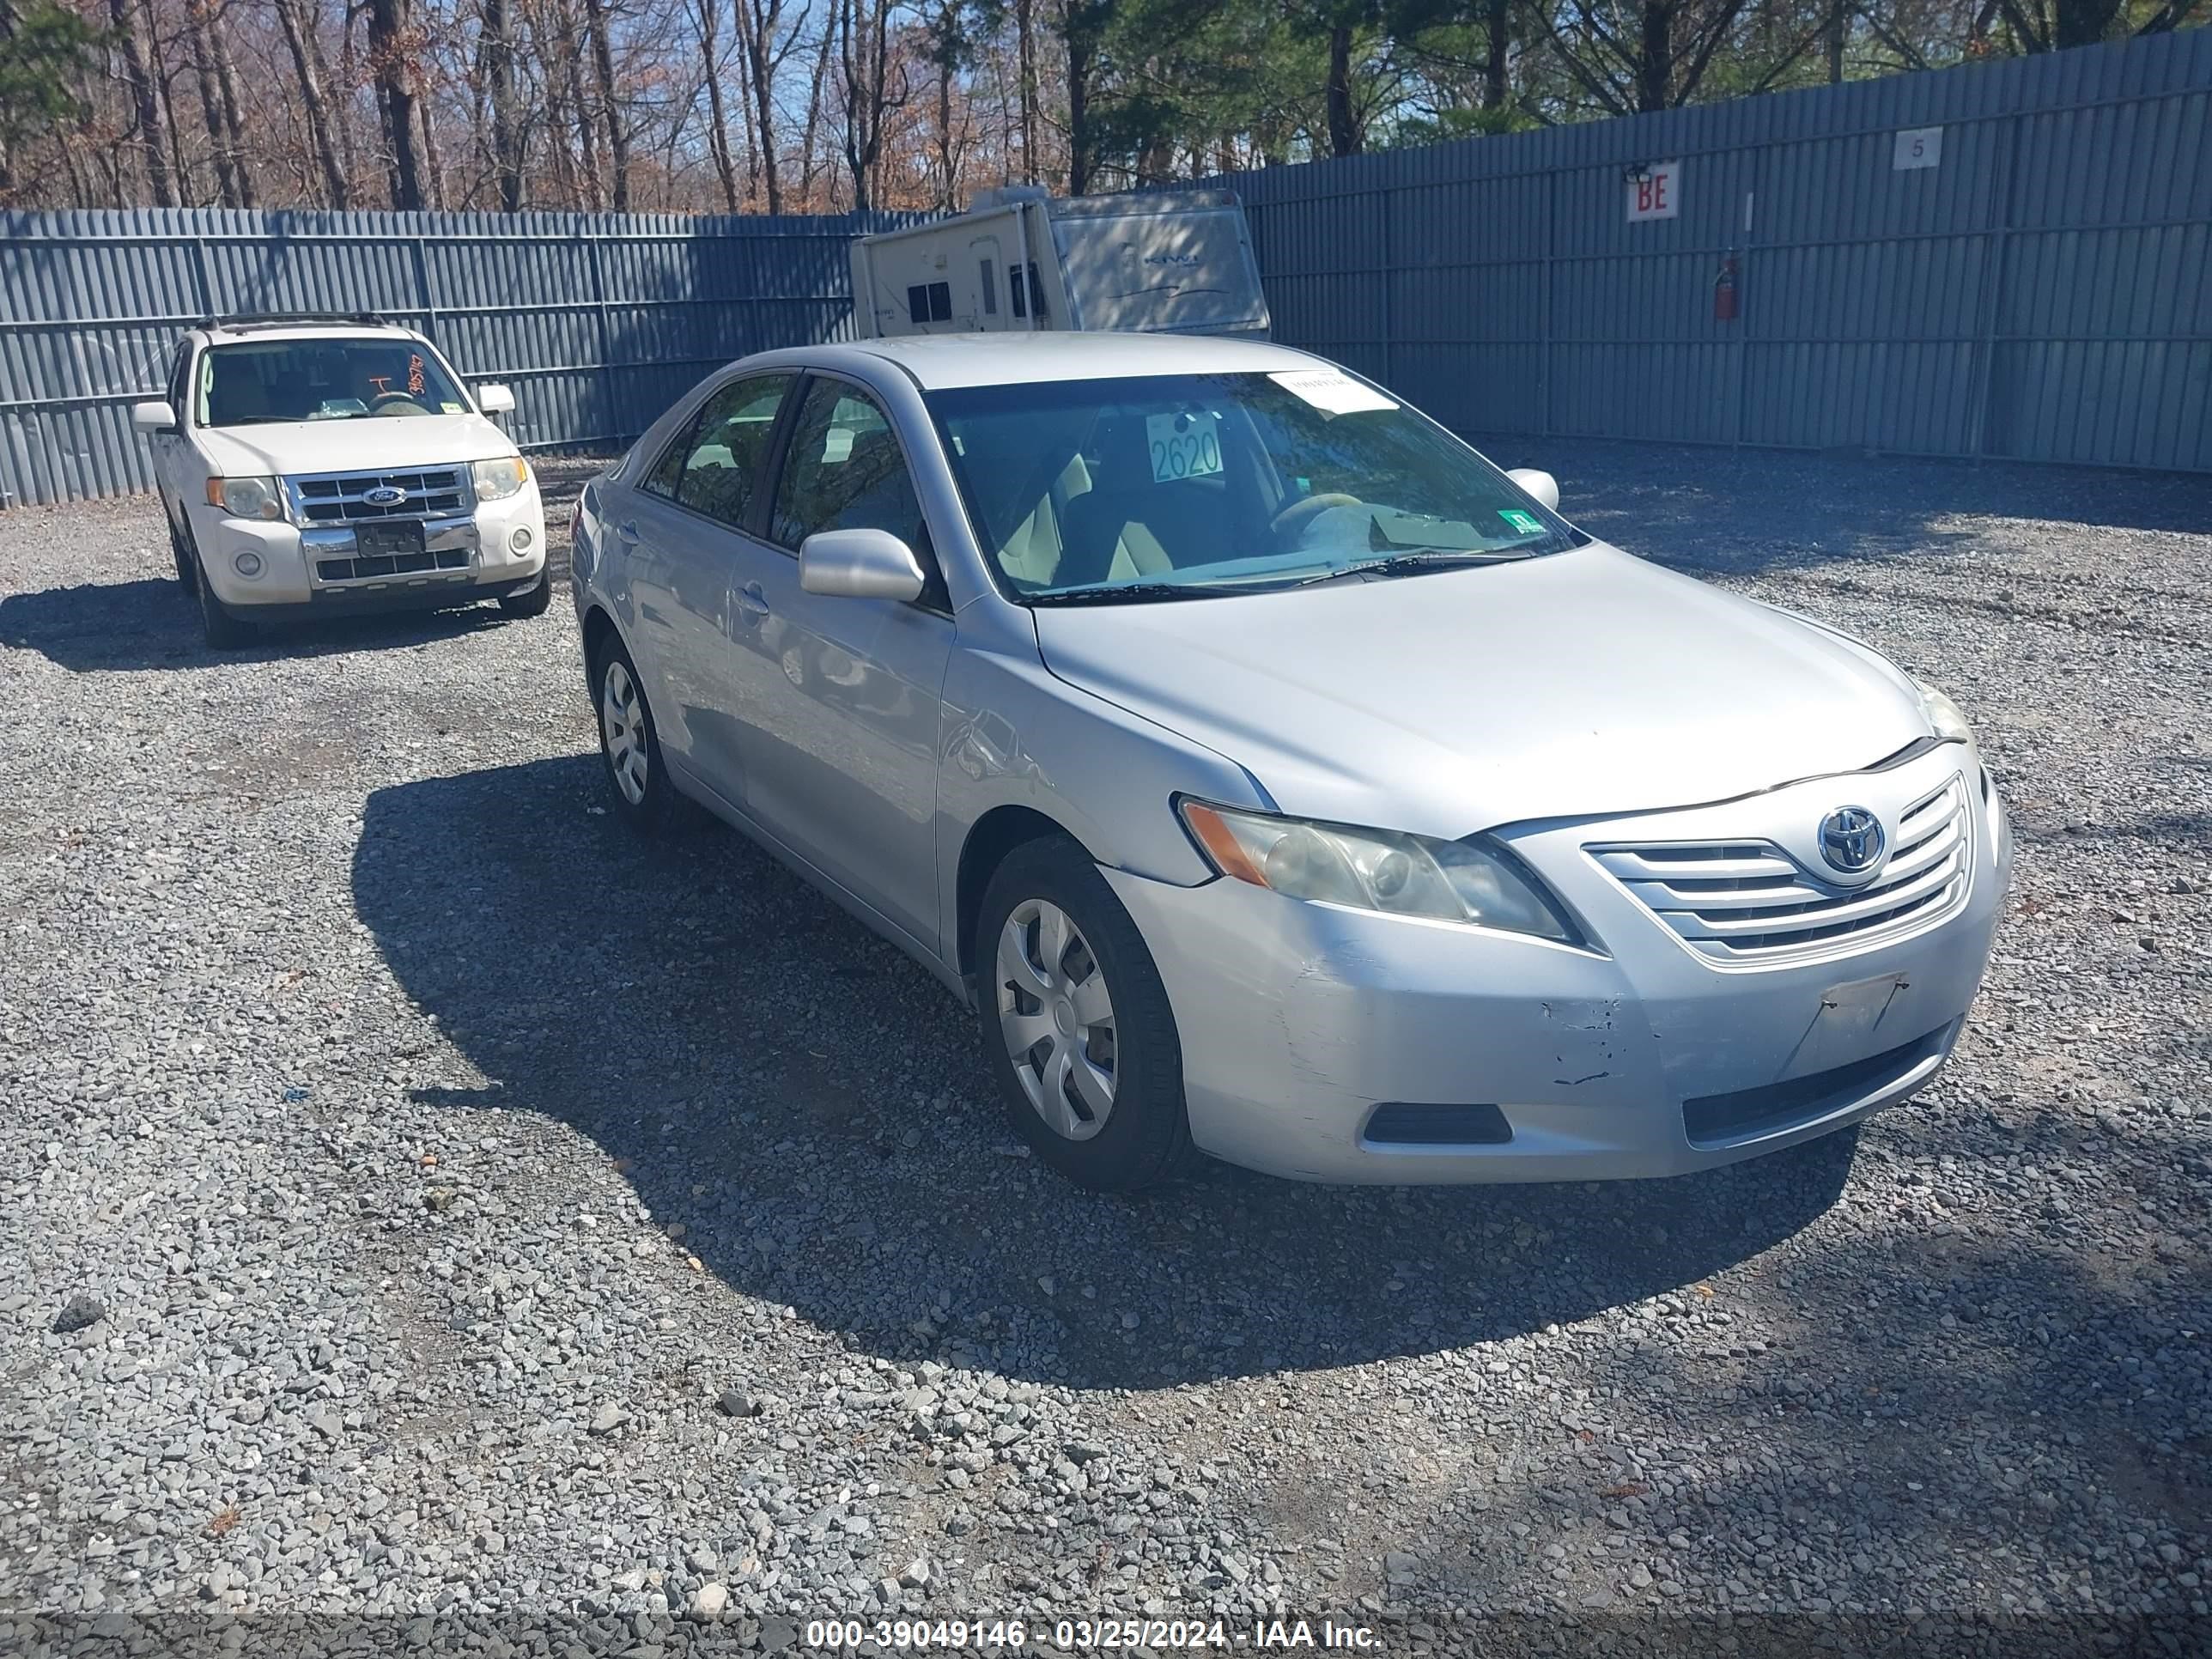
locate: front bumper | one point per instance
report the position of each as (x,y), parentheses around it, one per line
(474,556)
(1299,1021)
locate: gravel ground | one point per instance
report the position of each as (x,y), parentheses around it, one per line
(429,1204)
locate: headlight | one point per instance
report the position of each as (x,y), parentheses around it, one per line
(1381,869)
(245,498)
(1945,718)
(496,480)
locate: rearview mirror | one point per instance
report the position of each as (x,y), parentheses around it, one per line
(1542,485)
(495,400)
(154,417)
(859,564)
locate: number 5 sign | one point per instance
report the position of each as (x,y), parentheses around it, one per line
(1655,191)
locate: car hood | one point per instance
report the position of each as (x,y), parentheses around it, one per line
(1584,683)
(368,444)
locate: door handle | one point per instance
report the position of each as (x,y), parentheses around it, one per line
(627,534)
(752,603)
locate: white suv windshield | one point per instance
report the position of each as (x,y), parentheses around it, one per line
(322,379)
(1191,486)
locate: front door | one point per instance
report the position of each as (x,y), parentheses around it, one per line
(840,763)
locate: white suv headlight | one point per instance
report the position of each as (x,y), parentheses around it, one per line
(1945,718)
(245,498)
(1381,869)
(496,480)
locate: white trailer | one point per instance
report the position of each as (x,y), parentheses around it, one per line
(1168,262)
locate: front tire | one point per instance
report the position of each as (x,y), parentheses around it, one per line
(630,743)
(224,631)
(531,602)
(1076,1024)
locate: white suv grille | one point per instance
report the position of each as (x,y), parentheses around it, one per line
(439,493)
(1749,902)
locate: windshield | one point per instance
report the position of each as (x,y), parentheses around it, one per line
(323,378)
(1190,486)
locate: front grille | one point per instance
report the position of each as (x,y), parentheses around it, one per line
(1717,1119)
(398,564)
(1749,902)
(439,493)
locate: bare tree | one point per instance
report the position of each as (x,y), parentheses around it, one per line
(603,69)
(297,22)
(145,104)
(1637,55)
(768,41)
(495,57)
(718,124)
(874,83)
(388,68)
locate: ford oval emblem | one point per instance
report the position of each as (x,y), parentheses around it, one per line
(383,495)
(1852,839)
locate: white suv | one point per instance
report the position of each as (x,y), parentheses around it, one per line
(315,465)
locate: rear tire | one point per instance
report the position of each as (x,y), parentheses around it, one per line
(224,631)
(629,743)
(1077,1026)
(531,601)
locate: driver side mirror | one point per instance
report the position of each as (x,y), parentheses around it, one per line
(1542,485)
(859,564)
(154,417)
(495,400)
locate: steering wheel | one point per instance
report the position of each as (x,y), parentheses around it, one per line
(1295,517)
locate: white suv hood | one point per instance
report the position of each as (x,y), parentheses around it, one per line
(364,444)
(1585,683)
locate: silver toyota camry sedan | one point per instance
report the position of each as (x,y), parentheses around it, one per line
(1273,775)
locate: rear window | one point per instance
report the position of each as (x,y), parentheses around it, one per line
(1160,273)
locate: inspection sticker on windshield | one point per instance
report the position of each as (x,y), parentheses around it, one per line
(1331,393)
(1186,445)
(1527,523)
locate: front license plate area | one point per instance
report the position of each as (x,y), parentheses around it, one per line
(387,541)
(1858,1019)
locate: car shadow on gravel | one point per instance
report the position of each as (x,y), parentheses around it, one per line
(812,1107)
(119,627)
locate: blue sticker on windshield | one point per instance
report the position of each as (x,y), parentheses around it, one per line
(1527,523)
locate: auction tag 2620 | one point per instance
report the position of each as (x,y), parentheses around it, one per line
(1186,445)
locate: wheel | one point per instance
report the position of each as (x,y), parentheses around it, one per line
(180,550)
(224,631)
(1076,1024)
(531,602)
(627,743)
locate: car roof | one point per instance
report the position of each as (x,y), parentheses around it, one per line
(939,362)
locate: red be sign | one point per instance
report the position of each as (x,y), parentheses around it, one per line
(1655,191)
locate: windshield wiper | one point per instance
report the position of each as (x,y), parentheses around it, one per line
(1140,592)
(1418,558)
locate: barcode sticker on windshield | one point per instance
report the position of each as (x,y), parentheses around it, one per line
(1184,446)
(1330,392)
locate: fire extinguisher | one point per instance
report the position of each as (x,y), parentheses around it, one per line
(1724,290)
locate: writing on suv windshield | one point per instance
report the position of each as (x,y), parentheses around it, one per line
(1170,487)
(322,380)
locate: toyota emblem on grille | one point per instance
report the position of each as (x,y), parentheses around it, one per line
(1852,839)
(383,495)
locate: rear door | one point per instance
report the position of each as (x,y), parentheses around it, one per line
(683,542)
(170,450)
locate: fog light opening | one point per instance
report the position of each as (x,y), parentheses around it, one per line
(247,564)
(520,541)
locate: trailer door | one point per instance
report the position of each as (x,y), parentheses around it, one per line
(1182,270)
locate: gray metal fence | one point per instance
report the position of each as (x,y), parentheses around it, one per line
(599,322)
(2034,281)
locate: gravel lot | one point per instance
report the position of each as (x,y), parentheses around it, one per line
(465,1210)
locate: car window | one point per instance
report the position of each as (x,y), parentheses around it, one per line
(844,470)
(712,467)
